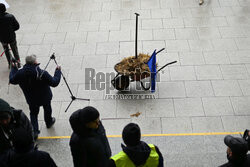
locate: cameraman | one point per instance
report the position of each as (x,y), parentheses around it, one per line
(11,121)
(35,84)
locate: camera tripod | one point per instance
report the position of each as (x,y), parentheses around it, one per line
(73,98)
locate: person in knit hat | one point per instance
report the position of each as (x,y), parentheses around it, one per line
(136,152)
(88,143)
(11,121)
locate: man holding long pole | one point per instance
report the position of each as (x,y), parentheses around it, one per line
(35,85)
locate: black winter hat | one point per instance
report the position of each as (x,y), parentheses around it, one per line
(2,8)
(5,110)
(88,114)
(131,134)
(238,145)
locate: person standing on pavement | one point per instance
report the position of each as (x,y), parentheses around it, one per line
(237,149)
(88,143)
(8,26)
(11,121)
(35,84)
(136,152)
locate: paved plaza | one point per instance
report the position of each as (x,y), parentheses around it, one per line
(207,90)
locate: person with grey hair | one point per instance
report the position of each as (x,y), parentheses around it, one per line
(8,26)
(35,84)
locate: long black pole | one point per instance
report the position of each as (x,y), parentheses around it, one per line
(136,31)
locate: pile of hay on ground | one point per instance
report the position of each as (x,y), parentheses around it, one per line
(130,65)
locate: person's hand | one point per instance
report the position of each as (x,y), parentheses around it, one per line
(58,68)
(14,65)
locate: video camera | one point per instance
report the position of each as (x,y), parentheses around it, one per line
(246,136)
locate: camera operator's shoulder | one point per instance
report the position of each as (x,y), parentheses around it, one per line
(9,15)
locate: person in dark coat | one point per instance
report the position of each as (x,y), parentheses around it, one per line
(236,152)
(136,152)
(11,121)
(25,154)
(88,143)
(8,26)
(35,84)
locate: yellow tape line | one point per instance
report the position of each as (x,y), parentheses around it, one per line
(154,135)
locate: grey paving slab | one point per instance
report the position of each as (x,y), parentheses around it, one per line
(207,124)
(176,125)
(173,23)
(171,89)
(191,58)
(182,73)
(200,45)
(234,72)
(119,35)
(39,50)
(242,43)
(235,123)
(162,34)
(94,37)
(177,45)
(76,37)
(241,105)
(62,49)
(68,27)
(239,57)
(47,27)
(226,88)
(84,48)
(199,88)
(244,85)
(107,48)
(208,32)
(186,107)
(216,57)
(215,106)
(186,33)
(159,108)
(208,72)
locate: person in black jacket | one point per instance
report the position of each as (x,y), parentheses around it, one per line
(35,84)
(25,154)
(11,121)
(89,144)
(8,26)
(236,152)
(136,152)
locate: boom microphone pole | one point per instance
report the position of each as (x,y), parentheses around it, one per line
(52,57)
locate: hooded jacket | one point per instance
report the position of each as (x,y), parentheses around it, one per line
(19,122)
(36,90)
(89,147)
(8,26)
(139,154)
(30,158)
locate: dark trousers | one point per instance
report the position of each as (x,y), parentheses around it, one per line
(34,111)
(14,49)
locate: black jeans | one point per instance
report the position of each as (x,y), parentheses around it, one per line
(34,111)
(14,49)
